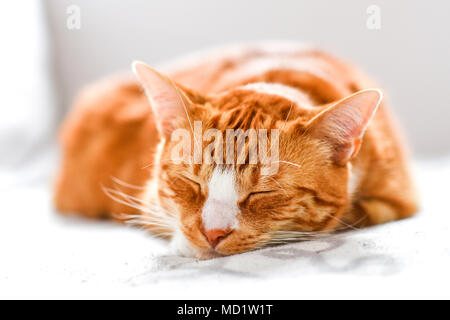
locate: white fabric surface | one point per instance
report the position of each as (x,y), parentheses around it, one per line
(45,255)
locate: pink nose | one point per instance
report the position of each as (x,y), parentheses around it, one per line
(214,236)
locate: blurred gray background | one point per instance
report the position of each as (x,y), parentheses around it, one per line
(409,55)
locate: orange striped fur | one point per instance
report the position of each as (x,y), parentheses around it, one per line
(342,160)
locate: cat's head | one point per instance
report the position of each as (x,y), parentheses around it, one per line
(219,199)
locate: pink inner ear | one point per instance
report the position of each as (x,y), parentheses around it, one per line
(343,124)
(165,100)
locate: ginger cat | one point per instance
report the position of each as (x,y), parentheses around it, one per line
(340,161)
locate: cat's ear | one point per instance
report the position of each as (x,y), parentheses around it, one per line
(342,125)
(169,103)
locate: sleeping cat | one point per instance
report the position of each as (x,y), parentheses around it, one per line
(340,160)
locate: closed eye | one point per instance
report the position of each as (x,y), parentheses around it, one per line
(256,194)
(191,181)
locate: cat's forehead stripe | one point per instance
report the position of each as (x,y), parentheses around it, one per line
(295,96)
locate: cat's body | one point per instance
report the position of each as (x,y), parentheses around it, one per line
(110,144)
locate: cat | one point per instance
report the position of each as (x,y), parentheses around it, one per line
(341,159)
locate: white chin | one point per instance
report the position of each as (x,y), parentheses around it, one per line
(179,245)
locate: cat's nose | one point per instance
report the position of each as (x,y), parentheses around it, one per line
(214,236)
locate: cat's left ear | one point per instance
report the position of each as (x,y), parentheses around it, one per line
(170,103)
(343,124)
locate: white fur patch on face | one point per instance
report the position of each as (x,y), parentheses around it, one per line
(220,209)
(289,93)
(181,246)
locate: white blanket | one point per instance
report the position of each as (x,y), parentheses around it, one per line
(45,255)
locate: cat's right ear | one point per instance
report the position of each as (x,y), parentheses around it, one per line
(342,125)
(169,103)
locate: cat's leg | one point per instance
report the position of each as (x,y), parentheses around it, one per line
(380,211)
(388,195)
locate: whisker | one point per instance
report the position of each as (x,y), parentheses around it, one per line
(173,161)
(125,184)
(279,185)
(146,223)
(155,220)
(133,202)
(284,237)
(346,225)
(289,162)
(145,218)
(158,209)
(287,117)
